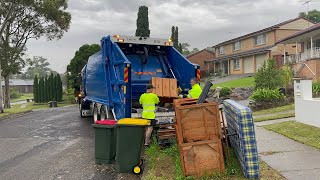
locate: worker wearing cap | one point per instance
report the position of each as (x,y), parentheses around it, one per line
(195,90)
(148,101)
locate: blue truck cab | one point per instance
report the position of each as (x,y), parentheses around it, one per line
(116,76)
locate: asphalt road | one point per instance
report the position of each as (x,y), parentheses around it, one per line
(49,144)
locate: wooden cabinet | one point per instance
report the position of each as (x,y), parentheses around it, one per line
(199,134)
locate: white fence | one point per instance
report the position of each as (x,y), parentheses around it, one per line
(302,57)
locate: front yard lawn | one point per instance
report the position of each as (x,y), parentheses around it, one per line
(243,82)
(275,110)
(274,117)
(24,97)
(300,132)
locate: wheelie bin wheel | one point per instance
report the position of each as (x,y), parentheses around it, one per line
(137,170)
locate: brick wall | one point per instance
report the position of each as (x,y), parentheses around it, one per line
(200,57)
(306,73)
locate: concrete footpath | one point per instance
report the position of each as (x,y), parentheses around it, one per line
(295,161)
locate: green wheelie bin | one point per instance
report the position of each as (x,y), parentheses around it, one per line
(130,145)
(105,141)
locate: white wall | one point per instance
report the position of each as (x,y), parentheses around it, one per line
(307,109)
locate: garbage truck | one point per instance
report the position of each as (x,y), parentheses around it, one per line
(115,77)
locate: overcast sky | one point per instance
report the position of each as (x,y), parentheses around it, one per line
(201,23)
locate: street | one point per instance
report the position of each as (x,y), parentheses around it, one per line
(49,144)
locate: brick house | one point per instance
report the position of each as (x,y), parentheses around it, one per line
(306,64)
(245,54)
(201,58)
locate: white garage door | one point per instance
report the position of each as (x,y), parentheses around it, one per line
(260,60)
(248,64)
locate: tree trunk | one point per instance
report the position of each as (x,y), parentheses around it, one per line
(6,92)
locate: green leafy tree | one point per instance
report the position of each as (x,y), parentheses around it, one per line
(287,76)
(313,15)
(143,22)
(79,60)
(37,66)
(24,20)
(35,89)
(268,76)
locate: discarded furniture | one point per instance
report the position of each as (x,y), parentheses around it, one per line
(242,137)
(198,131)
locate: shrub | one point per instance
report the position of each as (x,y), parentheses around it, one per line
(267,95)
(14,94)
(316,87)
(268,76)
(225,91)
(287,76)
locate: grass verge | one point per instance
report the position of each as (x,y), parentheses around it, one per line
(300,132)
(15,109)
(267,173)
(275,110)
(164,164)
(274,117)
(24,97)
(243,82)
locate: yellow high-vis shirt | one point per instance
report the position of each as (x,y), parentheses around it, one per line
(148,102)
(195,91)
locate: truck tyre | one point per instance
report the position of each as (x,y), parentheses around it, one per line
(95,114)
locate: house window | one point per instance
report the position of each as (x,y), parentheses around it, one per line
(221,50)
(236,64)
(260,39)
(237,46)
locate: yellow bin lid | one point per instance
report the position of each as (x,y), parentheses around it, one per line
(133,121)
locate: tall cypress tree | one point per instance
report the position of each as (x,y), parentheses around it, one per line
(41,89)
(59,88)
(52,87)
(46,88)
(143,22)
(35,89)
(56,88)
(176,38)
(172,33)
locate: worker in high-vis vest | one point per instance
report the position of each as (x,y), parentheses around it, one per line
(195,91)
(148,101)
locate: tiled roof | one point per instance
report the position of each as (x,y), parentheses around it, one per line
(190,55)
(299,33)
(261,31)
(242,54)
(19,82)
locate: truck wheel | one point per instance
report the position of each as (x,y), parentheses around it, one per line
(95,114)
